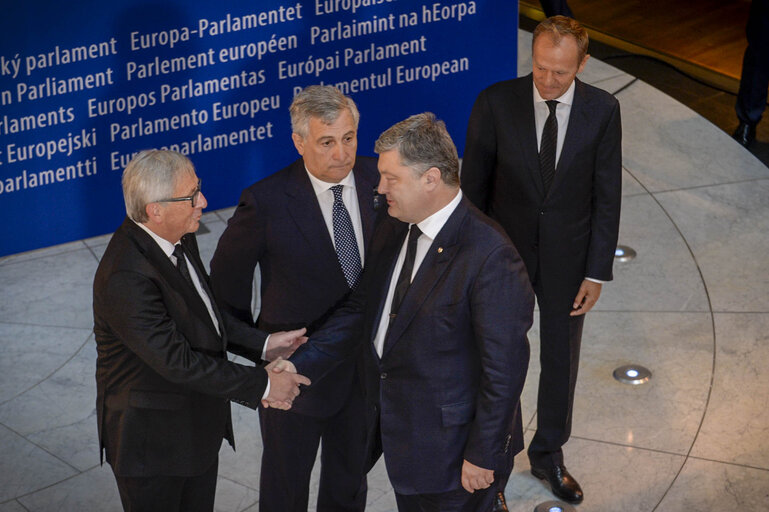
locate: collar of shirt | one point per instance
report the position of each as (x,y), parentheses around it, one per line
(566,98)
(320,186)
(433,224)
(166,246)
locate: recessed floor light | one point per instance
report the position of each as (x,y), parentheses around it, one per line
(554,506)
(624,253)
(632,374)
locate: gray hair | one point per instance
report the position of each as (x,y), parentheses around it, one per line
(423,142)
(152,175)
(324,102)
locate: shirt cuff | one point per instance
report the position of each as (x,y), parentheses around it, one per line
(266,389)
(264,354)
(587,279)
(264,348)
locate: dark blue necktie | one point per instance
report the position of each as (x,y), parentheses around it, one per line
(344,239)
(547,146)
(404,278)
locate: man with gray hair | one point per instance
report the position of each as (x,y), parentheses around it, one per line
(440,319)
(163,380)
(307,230)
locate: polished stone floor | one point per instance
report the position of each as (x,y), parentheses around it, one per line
(693,307)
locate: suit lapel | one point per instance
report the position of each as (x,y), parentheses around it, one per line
(577,119)
(190,244)
(163,264)
(522,114)
(309,219)
(365,192)
(435,264)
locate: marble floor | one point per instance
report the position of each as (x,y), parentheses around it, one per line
(693,307)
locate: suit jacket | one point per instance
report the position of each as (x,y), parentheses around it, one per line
(448,384)
(571,232)
(163,381)
(279,225)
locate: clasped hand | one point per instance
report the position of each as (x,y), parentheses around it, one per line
(284,384)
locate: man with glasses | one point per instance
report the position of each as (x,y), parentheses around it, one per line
(162,376)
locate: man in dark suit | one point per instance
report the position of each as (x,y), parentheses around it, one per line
(543,157)
(556,7)
(308,229)
(751,97)
(162,376)
(440,319)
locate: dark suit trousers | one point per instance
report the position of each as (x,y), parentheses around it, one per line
(560,340)
(554,7)
(290,444)
(458,500)
(169,493)
(751,98)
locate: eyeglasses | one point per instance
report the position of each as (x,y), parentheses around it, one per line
(193,199)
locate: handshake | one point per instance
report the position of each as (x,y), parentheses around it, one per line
(284,381)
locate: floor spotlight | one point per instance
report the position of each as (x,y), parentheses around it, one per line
(632,374)
(624,253)
(554,506)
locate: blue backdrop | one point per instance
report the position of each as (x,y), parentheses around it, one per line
(84,85)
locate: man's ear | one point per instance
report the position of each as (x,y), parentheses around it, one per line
(298,143)
(432,176)
(153,212)
(582,64)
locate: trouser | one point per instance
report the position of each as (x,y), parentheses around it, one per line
(458,500)
(751,98)
(560,341)
(169,493)
(290,444)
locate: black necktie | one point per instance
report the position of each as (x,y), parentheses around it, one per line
(548,145)
(181,263)
(344,239)
(404,278)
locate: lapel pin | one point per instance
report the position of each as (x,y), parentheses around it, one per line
(440,250)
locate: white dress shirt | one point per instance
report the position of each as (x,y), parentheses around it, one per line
(349,198)
(562,113)
(430,228)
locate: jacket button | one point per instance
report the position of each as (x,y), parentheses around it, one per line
(383,376)
(542,212)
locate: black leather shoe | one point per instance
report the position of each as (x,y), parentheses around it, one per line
(500,505)
(561,482)
(745,134)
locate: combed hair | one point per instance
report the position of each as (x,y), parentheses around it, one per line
(559,26)
(422,141)
(152,175)
(324,102)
